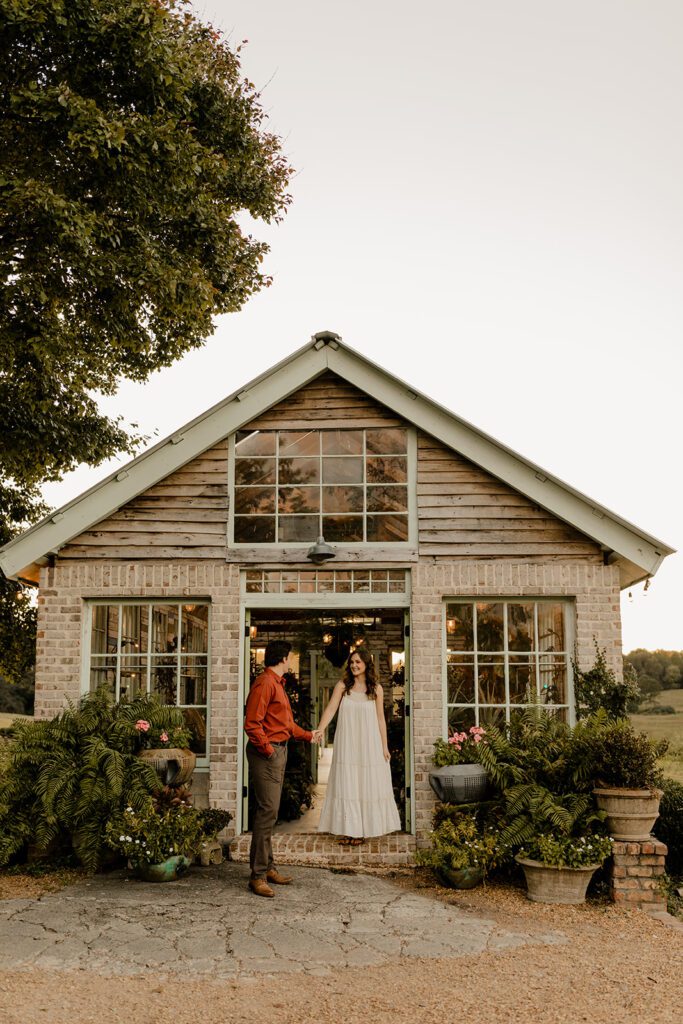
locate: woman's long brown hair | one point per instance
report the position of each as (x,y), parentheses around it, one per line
(370,677)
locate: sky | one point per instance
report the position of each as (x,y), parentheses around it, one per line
(487,203)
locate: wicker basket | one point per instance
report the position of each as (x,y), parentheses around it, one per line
(173,765)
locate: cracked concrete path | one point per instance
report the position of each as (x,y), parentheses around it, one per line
(209,923)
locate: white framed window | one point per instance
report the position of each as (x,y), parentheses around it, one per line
(157,647)
(501,654)
(353,486)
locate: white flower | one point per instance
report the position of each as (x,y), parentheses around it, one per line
(137,842)
(122,839)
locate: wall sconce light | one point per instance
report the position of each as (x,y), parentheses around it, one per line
(450,625)
(253,631)
(327,639)
(321,551)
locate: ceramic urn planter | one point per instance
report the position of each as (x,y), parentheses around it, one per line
(546,884)
(168,871)
(631,813)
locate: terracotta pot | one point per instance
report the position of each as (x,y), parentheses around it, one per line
(631,813)
(546,884)
(464,878)
(173,765)
(168,871)
(459,783)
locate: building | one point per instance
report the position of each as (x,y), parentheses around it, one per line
(474,576)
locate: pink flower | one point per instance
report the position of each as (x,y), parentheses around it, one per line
(477,738)
(141,725)
(164,737)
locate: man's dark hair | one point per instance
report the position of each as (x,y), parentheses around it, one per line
(276,651)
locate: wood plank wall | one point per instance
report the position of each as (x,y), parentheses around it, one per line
(184,516)
(463,512)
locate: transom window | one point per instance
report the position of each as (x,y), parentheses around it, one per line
(501,655)
(325,581)
(159,648)
(291,486)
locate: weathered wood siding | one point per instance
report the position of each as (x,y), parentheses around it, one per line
(328,401)
(184,516)
(464,512)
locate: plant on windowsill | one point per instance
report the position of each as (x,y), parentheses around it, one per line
(462,853)
(167,749)
(623,766)
(459,777)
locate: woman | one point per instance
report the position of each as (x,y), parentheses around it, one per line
(359,801)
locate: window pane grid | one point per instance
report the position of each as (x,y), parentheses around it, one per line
(349,486)
(324,581)
(482,675)
(158,646)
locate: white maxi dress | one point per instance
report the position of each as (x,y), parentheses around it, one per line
(359,801)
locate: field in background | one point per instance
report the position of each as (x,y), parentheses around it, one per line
(667,727)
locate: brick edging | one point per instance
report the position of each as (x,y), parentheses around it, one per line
(635,874)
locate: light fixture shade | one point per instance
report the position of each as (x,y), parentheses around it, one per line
(320,552)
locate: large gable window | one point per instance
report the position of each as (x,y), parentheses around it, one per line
(501,655)
(291,486)
(159,648)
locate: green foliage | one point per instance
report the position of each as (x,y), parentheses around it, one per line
(158,737)
(17,698)
(67,776)
(131,147)
(297,791)
(656,670)
(461,844)
(658,709)
(567,851)
(534,749)
(599,687)
(612,753)
(213,820)
(145,836)
(532,810)
(669,826)
(460,748)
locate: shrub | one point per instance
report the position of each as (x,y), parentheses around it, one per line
(568,851)
(145,836)
(669,826)
(599,687)
(213,820)
(612,753)
(657,709)
(462,844)
(67,777)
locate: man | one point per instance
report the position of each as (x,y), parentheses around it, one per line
(269,724)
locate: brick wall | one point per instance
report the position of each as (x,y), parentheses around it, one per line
(594,588)
(636,873)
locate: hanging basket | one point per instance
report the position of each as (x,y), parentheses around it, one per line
(173,765)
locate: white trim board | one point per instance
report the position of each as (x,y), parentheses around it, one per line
(638,554)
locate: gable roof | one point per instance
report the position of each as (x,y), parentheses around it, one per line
(638,554)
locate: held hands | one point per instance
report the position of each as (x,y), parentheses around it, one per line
(387,754)
(317,736)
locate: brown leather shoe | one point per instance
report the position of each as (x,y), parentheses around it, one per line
(260,887)
(278,879)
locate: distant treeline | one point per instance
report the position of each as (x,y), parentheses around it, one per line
(656,670)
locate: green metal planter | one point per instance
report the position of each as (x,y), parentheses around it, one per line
(464,878)
(169,871)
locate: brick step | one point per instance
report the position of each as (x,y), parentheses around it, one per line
(325,851)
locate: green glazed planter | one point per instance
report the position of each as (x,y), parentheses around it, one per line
(169,871)
(464,878)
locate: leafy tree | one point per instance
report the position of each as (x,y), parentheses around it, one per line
(132,152)
(656,670)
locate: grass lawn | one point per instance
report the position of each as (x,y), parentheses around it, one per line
(669,727)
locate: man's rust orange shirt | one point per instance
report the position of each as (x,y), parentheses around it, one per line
(269,716)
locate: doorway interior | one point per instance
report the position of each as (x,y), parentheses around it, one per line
(322,641)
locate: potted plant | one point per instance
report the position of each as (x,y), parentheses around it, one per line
(167,750)
(559,867)
(212,820)
(459,777)
(461,853)
(623,766)
(159,844)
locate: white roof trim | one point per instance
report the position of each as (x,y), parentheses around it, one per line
(638,553)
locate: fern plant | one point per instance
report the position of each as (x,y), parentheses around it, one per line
(68,776)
